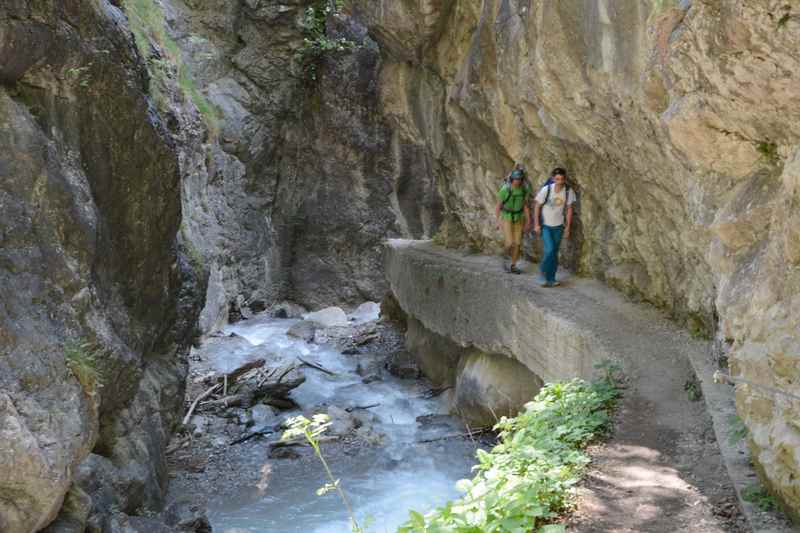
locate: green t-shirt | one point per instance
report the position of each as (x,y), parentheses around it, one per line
(513,201)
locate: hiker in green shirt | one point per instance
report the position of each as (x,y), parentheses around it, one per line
(513,214)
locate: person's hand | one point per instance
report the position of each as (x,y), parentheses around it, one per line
(566,233)
(537,229)
(526,229)
(498,225)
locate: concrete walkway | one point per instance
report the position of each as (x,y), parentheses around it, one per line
(666,467)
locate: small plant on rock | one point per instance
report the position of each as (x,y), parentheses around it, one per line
(758,496)
(82,360)
(317,42)
(769,151)
(738,430)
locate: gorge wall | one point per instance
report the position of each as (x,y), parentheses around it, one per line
(291,183)
(679,124)
(90,279)
(151,148)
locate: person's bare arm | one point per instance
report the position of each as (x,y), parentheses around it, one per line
(569,222)
(497,214)
(527,218)
(537,211)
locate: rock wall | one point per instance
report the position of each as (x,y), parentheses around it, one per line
(89,210)
(290,188)
(678,122)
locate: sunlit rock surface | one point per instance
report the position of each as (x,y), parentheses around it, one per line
(679,123)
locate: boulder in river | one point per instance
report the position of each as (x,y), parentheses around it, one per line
(304,330)
(328,317)
(366,312)
(342,422)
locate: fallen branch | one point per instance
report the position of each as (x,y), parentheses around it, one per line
(316,366)
(177,446)
(285,372)
(234,400)
(258,433)
(235,374)
(721,377)
(197,401)
(433,393)
(361,407)
(364,340)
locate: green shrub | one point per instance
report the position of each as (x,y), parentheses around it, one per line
(316,42)
(769,151)
(759,497)
(528,479)
(82,360)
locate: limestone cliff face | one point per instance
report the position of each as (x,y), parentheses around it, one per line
(679,122)
(89,210)
(294,192)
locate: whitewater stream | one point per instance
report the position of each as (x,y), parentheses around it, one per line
(383,479)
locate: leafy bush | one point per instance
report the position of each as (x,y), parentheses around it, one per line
(528,479)
(316,42)
(82,359)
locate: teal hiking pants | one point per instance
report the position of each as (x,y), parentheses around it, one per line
(551,239)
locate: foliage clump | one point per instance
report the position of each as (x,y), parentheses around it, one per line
(759,497)
(316,42)
(82,358)
(526,481)
(769,151)
(738,430)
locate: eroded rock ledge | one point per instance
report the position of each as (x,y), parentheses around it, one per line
(465,300)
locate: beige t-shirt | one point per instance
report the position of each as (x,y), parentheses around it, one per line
(554,210)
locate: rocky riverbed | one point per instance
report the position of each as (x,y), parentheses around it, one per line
(390,441)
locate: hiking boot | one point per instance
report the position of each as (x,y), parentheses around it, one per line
(514,270)
(555,284)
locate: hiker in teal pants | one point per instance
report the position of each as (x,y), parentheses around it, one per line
(553,220)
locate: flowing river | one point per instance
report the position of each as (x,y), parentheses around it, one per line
(407,465)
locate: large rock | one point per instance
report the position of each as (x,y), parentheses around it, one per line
(328,317)
(290,184)
(90,208)
(490,386)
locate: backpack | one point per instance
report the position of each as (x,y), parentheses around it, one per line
(507,183)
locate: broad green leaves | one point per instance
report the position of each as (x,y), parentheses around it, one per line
(528,478)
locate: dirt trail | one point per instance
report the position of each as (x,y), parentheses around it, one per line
(662,470)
